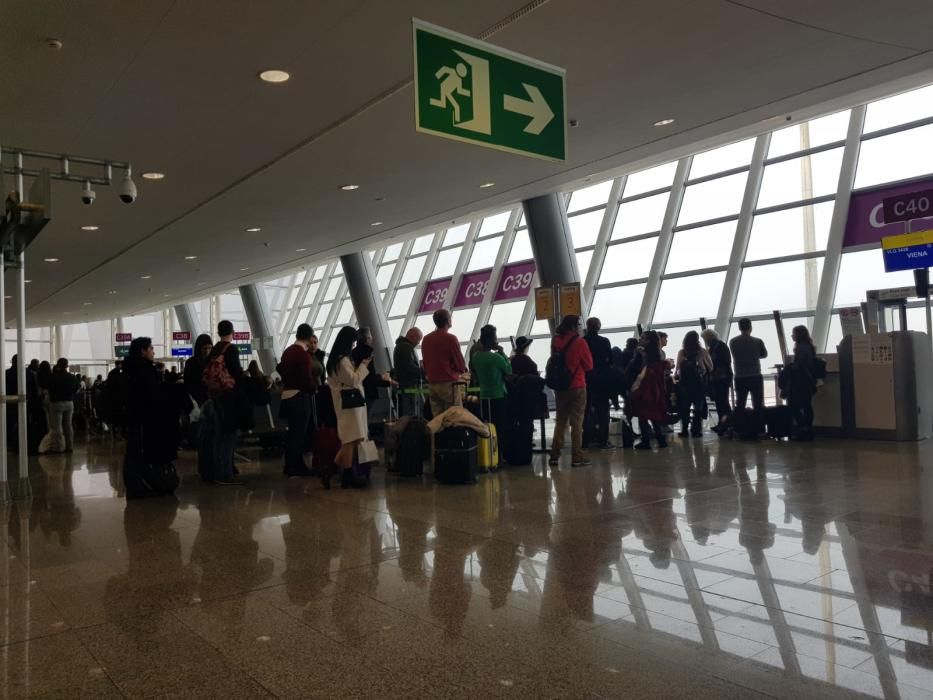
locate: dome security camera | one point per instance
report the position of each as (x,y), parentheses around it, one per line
(128,188)
(87,194)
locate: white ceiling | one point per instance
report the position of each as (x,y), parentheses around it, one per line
(171,86)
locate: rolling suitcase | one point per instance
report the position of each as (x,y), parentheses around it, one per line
(455,456)
(779,421)
(745,424)
(487,448)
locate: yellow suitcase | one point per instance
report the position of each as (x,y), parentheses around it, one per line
(487,450)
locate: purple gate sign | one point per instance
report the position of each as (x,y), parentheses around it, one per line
(473,287)
(515,281)
(865,223)
(435,295)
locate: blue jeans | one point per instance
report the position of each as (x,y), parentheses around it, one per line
(298,411)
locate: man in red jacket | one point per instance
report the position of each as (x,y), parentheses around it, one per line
(571,404)
(443,362)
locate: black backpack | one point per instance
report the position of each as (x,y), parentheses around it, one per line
(692,372)
(557,375)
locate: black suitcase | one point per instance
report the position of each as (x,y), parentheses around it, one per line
(779,421)
(518,449)
(455,456)
(745,424)
(407,446)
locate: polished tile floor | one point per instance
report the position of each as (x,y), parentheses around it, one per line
(711,570)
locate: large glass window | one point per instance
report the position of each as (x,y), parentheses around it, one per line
(320,318)
(799,137)
(456,234)
(495,223)
(333,287)
(484,253)
(895,157)
(694,249)
(590,196)
(899,109)
(712,199)
(521,248)
(686,298)
(584,228)
(618,306)
(723,158)
(800,178)
(463,322)
(790,232)
(345,313)
(651,179)
(446,263)
(384,276)
(640,216)
(628,261)
(583,263)
(402,301)
(506,318)
(413,269)
(392,252)
(787,286)
(422,244)
(864,270)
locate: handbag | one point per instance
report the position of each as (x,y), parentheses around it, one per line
(352,398)
(367,452)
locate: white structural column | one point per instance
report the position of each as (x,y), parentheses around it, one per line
(663,249)
(508,238)
(188,319)
(260,323)
(602,241)
(837,229)
(743,232)
(360,278)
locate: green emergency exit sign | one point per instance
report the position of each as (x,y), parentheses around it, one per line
(475,92)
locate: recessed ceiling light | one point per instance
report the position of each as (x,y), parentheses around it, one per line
(50,259)
(201,284)
(349,188)
(89,228)
(254,229)
(487,185)
(191,257)
(376,223)
(145,277)
(664,122)
(28,281)
(243,269)
(300,250)
(166,296)
(153,176)
(89,303)
(112,291)
(274,76)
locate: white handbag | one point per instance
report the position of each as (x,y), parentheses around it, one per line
(367,452)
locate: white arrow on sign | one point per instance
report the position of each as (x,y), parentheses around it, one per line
(536,108)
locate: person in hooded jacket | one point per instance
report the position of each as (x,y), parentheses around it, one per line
(407,371)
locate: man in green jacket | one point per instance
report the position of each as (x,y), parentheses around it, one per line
(491,367)
(407,371)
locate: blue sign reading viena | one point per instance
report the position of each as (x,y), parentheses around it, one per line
(908,251)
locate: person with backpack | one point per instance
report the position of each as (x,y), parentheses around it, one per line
(301,378)
(648,393)
(221,373)
(720,379)
(566,374)
(692,373)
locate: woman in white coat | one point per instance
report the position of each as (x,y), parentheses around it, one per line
(346,387)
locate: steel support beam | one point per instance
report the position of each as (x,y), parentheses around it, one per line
(188,319)
(360,278)
(260,324)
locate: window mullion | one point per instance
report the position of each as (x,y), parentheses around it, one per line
(426,273)
(400,264)
(602,243)
(505,247)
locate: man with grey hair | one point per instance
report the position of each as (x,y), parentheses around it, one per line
(407,371)
(721,377)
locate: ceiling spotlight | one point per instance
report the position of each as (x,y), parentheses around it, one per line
(128,187)
(89,303)
(664,122)
(89,228)
(28,281)
(300,250)
(349,188)
(50,259)
(254,229)
(191,257)
(53,44)
(274,76)
(153,176)
(112,291)
(243,269)
(201,284)
(145,277)
(376,223)
(487,185)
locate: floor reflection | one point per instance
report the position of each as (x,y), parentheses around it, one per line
(781,569)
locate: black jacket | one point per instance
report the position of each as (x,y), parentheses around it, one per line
(194,379)
(601,350)
(407,372)
(372,381)
(722,362)
(62,386)
(151,412)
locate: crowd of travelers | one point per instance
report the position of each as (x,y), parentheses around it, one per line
(328,400)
